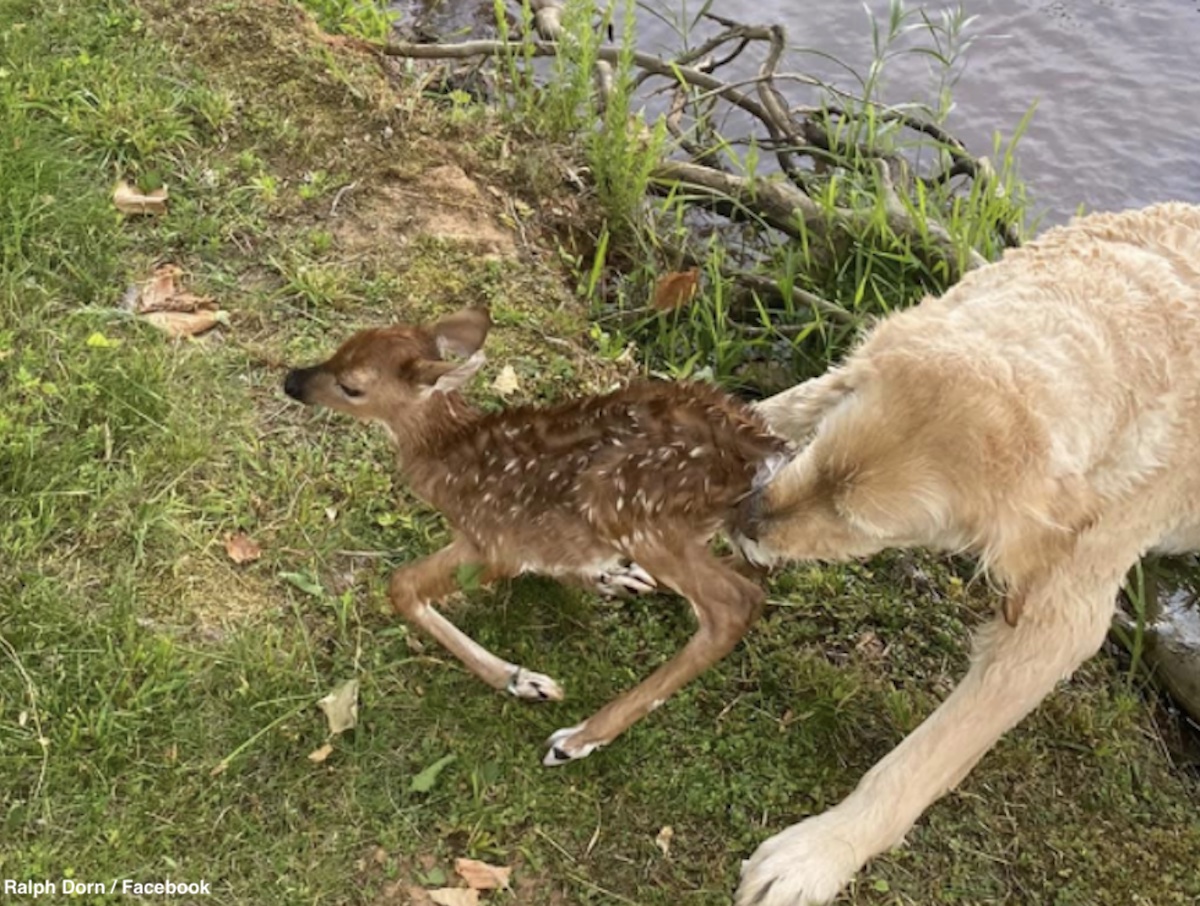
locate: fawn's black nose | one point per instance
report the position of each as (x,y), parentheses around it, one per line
(293,384)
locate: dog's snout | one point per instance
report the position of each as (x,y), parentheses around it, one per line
(293,384)
(748,515)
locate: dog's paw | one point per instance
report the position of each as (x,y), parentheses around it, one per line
(534,686)
(755,552)
(805,865)
(624,579)
(567,745)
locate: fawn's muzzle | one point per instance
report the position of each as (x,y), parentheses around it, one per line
(296,382)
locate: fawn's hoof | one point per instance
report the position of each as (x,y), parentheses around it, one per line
(565,746)
(534,686)
(625,579)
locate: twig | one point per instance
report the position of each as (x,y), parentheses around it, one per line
(778,124)
(737,33)
(673,118)
(337,199)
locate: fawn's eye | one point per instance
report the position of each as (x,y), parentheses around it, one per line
(349,391)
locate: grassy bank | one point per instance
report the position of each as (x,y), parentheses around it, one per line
(157,699)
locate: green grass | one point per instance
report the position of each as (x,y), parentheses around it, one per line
(135,658)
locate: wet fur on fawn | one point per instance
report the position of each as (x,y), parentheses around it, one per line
(1042,414)
(619,491)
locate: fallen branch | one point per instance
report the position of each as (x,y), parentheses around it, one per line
(789,210)
(611,55)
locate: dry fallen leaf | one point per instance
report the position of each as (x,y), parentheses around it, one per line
(506,382)
(241,548)
(178,324)
(341,707)
(319,755)
(664,838)
(130,201)
(163,293)
(676,289)
(481,875)
(455,896)
(173,310)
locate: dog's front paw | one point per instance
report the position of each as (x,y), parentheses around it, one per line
(805,865)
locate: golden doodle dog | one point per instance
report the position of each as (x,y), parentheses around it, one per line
(1042,415)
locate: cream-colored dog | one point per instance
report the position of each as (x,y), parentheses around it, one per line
(1044,414)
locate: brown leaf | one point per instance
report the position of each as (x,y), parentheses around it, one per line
(130,201)
(241,548)
(676,289)
(173,310)
(177,324)
(162,293)
(455,896)
(319,755)
(481,875)
(341,707)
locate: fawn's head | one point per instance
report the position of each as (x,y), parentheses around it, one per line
(392,374)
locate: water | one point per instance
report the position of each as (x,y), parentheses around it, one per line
(1117,122)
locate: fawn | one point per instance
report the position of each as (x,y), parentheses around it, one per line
(623,491)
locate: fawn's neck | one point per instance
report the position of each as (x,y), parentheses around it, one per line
(420,437)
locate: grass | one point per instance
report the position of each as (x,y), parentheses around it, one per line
(157,702)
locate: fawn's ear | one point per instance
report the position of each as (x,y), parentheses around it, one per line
(463,332)
(447,377)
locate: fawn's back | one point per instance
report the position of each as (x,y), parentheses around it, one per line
(548,485)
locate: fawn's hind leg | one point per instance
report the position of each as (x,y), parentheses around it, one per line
(726,605)
(414,587)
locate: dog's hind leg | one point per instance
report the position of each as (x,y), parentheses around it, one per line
(1065,619)
(414,587)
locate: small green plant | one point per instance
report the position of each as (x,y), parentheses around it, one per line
(315,184)
(266,186)
(1135,593)
(368,19)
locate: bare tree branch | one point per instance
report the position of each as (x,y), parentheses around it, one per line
(789,210)
(648,62)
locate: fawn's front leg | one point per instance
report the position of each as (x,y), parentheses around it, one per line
(412,590)
(726,606)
